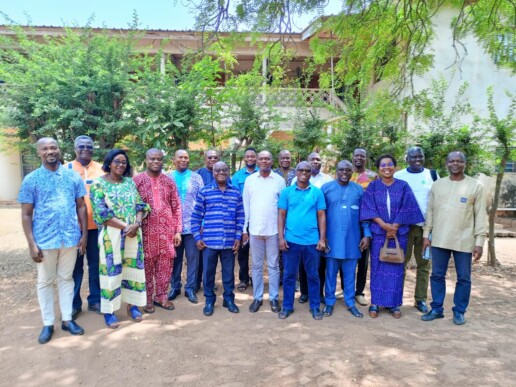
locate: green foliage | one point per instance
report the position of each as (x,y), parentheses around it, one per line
(440,129)
(67,85)
(376,125)
(309,135)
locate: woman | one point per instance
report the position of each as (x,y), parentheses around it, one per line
(391,207)
(118,210)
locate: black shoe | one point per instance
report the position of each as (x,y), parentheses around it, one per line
(316,313)
(421,306)
(355,312)
(432,315)
(76,312)
(93,308)
(303,298)
(275,306)
(328,310)
(46,334)
(231,306)
(208,309)
(191,297)
(255,306)
(72,327)
(458,318)
(173,294)
(284,314)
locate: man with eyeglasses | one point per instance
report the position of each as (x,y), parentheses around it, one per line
(217,223)
(420,180)
(89,170)
(362,176)
(188,184)
(302,235)
(456,217)
(211,157)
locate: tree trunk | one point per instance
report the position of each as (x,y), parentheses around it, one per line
(491,258)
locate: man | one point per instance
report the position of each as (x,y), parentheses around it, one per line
(261,193)
(362,177)
(345,243)
(217,222)
(302,234)
(53,217)
(456,217)
(238,180)
(285,170)
(210,158)
(317,179)
(161,229)
(188,184)
(420,180)
(89,170)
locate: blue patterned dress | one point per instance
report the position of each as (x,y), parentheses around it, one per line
(387,278)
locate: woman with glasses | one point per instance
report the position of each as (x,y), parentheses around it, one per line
(118,211)
(391,207)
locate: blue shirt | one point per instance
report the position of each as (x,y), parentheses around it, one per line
(238,179)
(223,215)
(301,225)
(188,185)
(342,219)
(207,176)
(55,223)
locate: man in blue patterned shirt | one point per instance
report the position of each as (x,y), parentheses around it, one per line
(219,212)
(52,201)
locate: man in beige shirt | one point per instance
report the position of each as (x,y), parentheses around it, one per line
(456,217)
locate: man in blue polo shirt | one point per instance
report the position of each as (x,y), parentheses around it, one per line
(302,234)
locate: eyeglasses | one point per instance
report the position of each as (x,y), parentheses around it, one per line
(118,162)
(389,164)
(221,170)
(85,147)
(304,170)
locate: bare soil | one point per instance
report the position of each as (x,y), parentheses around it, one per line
(183,347)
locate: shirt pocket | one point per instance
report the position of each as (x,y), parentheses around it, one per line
(462,201)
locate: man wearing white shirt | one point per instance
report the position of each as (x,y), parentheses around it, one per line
(261,194)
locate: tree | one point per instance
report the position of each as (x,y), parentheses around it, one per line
(502,131)
(66,86)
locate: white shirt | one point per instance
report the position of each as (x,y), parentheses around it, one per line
(420,183)
(260,198)
(317,180)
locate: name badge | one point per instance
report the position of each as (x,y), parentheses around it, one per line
(463,199)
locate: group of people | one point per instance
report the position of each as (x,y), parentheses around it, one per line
(136,232)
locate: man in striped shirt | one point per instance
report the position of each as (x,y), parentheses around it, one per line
(217,224)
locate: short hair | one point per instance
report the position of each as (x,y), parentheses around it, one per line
(460,153)
(81,137)
(152,150)
(362,149)
(413,149)
(312,154)
(346,163)
(270,154)
(302,164)
(212,150)
(110,157)
(385,156)
(250,148)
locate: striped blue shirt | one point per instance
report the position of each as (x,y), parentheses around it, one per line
(222,213)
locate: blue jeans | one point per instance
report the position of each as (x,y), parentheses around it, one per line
(188,248)
(227,262)
(440,259)
(291,259)
(347,267)
(92,253)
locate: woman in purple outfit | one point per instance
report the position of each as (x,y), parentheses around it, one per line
(391,207)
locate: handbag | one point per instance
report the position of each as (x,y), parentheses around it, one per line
(392,254)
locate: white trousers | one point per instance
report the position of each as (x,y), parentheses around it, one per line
(57,263)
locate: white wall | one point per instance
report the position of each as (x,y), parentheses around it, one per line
(10,175)
(477,68)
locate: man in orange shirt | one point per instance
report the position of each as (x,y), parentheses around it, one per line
(89,170)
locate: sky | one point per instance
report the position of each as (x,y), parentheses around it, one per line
(152,14)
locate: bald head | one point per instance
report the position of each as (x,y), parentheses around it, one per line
(181,160)
(45,140)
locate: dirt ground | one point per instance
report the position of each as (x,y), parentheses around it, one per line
(183,347)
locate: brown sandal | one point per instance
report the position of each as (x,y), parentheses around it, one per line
(373,311)
(149,308)
(242,286)
(168,305)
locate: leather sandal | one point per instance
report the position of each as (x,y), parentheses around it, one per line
(149,308)
(373,311)
(133,313)
(396,312)
(242,287)
(168,305)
